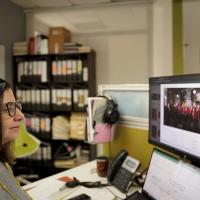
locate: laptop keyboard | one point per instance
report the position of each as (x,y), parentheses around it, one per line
(136,196)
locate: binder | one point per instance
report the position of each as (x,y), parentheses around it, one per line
(44,71)
(97,130)
(104,133)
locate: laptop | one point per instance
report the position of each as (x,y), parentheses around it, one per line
(169,179)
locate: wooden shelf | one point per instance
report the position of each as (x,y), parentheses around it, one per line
(27,83)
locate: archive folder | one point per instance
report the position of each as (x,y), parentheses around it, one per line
(97,130)
(104,133)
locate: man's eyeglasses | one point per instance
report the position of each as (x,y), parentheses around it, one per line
(11,107)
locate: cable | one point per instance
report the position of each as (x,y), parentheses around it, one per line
(87,184)
(116,196)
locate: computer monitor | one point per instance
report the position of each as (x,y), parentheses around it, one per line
(169,178)
(174,114)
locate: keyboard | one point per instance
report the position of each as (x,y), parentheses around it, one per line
(137,196)
(80,197)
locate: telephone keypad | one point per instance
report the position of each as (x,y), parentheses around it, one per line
(122,179)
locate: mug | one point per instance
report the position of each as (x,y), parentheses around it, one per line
(102,165)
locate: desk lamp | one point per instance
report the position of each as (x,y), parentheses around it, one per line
(25,144)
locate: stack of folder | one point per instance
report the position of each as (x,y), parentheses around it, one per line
(20,48)
(77,126)
(97,130)
(60,128)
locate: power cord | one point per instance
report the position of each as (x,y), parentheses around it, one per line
(76,182)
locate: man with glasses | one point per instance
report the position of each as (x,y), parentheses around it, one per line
(10,118)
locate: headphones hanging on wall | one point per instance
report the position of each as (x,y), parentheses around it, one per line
(111,114)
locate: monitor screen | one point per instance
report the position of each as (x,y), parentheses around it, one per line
(174,113)
(169,178)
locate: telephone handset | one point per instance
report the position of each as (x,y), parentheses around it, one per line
(121,171)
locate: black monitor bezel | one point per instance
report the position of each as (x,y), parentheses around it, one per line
(186,78)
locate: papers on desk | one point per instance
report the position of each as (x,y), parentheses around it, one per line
(97,130)
(51,191)
(67,193)
(63,194)
(49,188)
(94,193)
(44,191)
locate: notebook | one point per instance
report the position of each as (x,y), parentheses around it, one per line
(169,179)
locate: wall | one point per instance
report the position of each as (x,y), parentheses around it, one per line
(162,38)
(131,57)
(33,24)
(12,23)
(126,52)
(2,62)
(178,38)
(124,56)
(142,51)
(136,140)
(191,30)
(118,54)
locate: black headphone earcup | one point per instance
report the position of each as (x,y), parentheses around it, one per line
(111,114)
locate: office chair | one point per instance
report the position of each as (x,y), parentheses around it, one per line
(24,145)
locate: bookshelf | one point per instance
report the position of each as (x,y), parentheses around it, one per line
(53,89)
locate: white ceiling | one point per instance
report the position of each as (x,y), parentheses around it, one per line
(88,16)
(33,4)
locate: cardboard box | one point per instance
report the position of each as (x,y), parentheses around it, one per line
(57,37)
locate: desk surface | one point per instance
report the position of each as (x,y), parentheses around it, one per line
(49,188)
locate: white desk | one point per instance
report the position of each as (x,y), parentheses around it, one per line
(48,188)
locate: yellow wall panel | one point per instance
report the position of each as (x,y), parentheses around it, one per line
(135,141)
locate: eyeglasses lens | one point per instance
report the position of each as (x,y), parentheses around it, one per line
(11,106)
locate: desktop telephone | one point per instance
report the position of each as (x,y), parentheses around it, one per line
(121,171)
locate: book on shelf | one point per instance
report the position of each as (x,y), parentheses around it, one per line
(84,49)
(27,70)
(31,45)
(60,127)
(77,126)
(65,163)
(41,44)
(72,44)
(77,49)
(20,48)
(20,43)
(38,44)
(70,163)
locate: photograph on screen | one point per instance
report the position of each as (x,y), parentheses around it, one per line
(182,108)
(180,116)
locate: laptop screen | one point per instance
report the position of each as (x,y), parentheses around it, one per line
(170,179)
